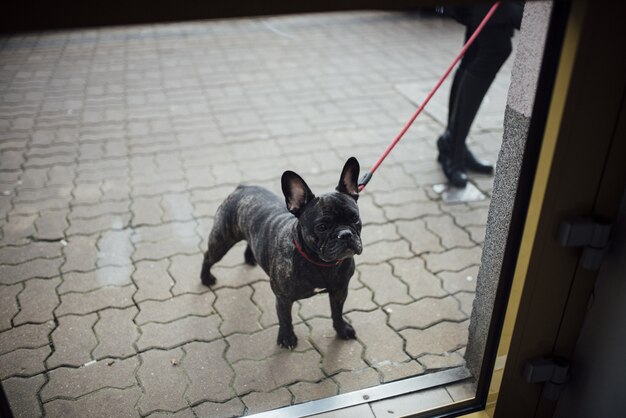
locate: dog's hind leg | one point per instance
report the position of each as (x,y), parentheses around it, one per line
(219,244)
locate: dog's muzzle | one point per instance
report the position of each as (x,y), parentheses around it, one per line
(350,241)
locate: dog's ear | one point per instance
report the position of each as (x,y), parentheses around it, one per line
(297,193)
(349,180)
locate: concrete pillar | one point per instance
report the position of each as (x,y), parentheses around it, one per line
(519,106)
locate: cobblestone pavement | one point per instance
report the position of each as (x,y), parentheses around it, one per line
(117,145)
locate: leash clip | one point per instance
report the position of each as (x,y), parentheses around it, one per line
(367,176)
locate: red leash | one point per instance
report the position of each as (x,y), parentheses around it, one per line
(367,176)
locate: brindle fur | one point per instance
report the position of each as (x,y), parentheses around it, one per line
(261,218)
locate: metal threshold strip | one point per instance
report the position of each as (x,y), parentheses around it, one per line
(375,393)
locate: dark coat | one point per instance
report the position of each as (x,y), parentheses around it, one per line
(508,14)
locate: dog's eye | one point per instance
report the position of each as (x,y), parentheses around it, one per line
(321,227)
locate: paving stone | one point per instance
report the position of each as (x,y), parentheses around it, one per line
(73,341)
(185,270)
(106,297)
(118,207)
(25,336)
(259,401)
(24,362)
(315,306)
(166,248)
(8,305)
(52,219)
(394,198)
(107,402)
(210,374)
(392,370)
(22,395)
(438,339)
(417,234)
(236,276)
(146,211)
(234,257)
(86,193)
(70,382)
(385,250)
(283,369)
(453,260)
(372,233)
(265,301)
(424,313)
(37,301)
(171,230)
(237,310)
(306,391)
(152,280)
(451,235)
(51,225)
(337,354)
(115,248)
(421,282)
(172,334)
(61,176)
(369,212)
(21,254)
(183,413)
(18,230)
(381,342)
(411,210)
(467,301)
(80,253)
(116,333)
(232,408)
(356,380)
(477,233)
(262,344)
(476,217)
(174,308)
(443,361)
(386,287)
(457,281)
(101,223)
(92,280)
(48,193)
(158,367)
(176,207)
(38,268)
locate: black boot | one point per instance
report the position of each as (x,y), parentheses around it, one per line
(477,165)
(467,94)
(472,163)
(452,159)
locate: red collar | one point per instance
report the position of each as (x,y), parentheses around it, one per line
(307,258)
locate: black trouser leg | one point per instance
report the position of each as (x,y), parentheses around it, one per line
(471,82)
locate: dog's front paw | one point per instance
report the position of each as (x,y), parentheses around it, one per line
(345,331)
(287,340)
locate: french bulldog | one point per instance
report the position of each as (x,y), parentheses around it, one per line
(306,247)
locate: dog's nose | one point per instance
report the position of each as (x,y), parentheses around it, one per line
(344,234)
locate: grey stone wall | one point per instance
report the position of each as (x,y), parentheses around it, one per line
(516,122)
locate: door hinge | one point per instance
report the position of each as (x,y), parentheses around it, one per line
(552,372)
(591,233)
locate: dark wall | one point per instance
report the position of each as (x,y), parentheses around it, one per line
(28,15)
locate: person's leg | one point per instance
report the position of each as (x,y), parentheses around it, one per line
(474,77)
